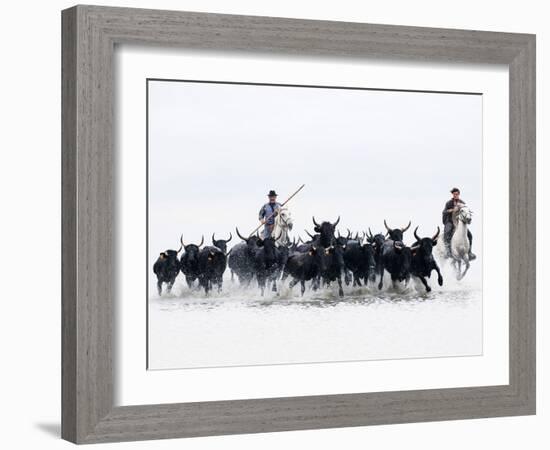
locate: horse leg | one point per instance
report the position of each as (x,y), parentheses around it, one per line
(457,268)
(439,276)
(467,264)
(302,287)
(381,282)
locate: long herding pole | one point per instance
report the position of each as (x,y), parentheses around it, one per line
(275,212)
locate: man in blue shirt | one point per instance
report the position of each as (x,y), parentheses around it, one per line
(267,216)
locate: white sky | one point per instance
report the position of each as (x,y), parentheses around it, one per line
(215,150)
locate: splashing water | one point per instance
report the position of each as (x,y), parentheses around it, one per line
(239,327)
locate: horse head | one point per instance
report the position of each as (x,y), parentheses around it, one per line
(465,215)
(285,218)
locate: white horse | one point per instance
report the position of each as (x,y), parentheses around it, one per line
(460,244)
(283,224)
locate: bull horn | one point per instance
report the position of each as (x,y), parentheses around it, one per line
(213,243)
(407,227)
(230,237)
(370,234)
(356,236)
(181,242)
(349,233)
(386,225)
(339,234)
(307,232)
(337,221)
(415,247)
(436,235)
(240,235)
(227,254)
(202,241)
(279,237)
(416,235)
(300,240)
(314,222)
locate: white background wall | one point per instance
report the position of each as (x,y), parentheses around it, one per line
(30,223)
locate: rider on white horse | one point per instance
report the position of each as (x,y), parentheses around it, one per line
(452,206)
(267,214)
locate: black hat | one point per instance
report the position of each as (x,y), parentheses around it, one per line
(272,194)
(455,189)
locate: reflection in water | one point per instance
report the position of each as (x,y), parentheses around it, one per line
(239,327)
(247,298)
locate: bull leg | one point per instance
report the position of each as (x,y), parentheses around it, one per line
(381,273)
(347,277)
(169,287)
(261,284)
(381,282)
(159,287)
(425,283)
(232,276)
(316,283)
(340,289)
(302,287)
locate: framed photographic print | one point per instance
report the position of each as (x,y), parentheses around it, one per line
(278,224)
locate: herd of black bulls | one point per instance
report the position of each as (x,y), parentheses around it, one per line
(325,258)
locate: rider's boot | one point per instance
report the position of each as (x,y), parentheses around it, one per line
(448,253)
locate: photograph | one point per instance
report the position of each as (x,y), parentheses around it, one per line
(293,224)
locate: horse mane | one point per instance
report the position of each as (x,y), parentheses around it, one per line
(454,216)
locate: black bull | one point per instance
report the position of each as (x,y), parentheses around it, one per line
(423,261)
(166,268)
(305,266)
(189,262)
(241,259)
(360,261)
(212,264)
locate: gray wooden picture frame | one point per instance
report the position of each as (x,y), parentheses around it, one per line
(89,37)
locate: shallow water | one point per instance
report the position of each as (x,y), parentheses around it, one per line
(239,327)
